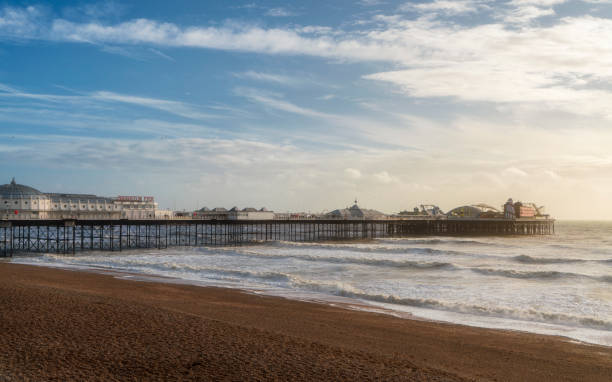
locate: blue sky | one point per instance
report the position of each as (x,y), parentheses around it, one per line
(299,106)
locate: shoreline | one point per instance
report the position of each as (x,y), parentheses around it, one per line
(121,328)
(354,303)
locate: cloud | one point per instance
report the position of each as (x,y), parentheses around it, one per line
(21,23)
(370,3)
(552,65)
(56,104)
(538,3)
(161,54)
(274,102)
(277,173)
(385,177)
(553,175)
(269,77)
(525,14)
(449,7)
(123,51)
(549,66)
(279,12)
(178,108)
(513,171)
(352,173)
(98,10)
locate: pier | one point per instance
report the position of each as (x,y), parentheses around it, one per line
(71,236)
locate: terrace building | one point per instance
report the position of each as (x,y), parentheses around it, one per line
(20,202)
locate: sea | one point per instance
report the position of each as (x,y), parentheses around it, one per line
(557,285)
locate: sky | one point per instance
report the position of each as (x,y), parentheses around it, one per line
(306,106)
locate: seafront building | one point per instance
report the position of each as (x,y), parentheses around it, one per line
(355,213)
(20,202)
(220,213)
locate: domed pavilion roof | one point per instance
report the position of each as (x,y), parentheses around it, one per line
(355,212)
(14,190)
(474,211)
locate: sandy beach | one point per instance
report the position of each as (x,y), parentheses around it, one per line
(60,325)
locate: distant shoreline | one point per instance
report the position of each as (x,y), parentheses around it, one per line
(70,325)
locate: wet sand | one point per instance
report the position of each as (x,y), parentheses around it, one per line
(59,325)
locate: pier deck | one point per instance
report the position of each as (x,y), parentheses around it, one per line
(71,236)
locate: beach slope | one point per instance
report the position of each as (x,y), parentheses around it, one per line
(68,325)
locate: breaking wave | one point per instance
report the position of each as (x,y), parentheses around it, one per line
(354,260)
(346,290)
(371,248)
(543,275)
(169,268)
(540,275)
(542,260)
(440,241)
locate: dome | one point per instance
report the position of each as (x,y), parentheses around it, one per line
(475,211)
(355,212)
(14,190)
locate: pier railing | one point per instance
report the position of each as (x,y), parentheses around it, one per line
(70,236)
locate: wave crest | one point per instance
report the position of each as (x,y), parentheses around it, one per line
(346,290)
(542,260)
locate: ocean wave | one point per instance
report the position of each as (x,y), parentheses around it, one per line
(148,266)
(606,279)
(353,260)
(346,290)
(207,270)
(538,275)
(440,241)
(524,274)
(543,260)
(370,248)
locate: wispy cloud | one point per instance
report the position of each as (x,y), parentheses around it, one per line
(439,58)
(370,3)
(327,97)
(448,7)
(269,77)
(178,108)
(489,62)
(174,107)
(20,23)
(161,54)
(279,12)
(275,102)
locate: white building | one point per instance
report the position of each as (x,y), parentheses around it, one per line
(221,213)
(136,207)
(164,214)
(250,214)
(355,213)
(24,203)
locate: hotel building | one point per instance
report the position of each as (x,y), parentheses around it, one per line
(22,202)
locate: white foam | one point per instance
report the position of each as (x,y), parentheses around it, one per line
(547,285)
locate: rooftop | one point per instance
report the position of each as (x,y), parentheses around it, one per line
(14,190)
